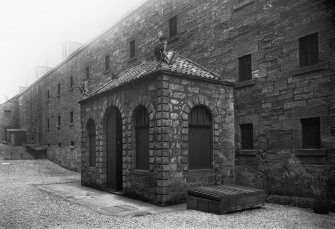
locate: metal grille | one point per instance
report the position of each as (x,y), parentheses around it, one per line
(308,50)
(247,140)
(311,133)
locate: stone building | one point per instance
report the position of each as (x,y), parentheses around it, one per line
(278,53)
(159,129)
(8,117)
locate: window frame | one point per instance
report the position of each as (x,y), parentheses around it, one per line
(87,72)
(246,144)
(132,49)
(91,133)
(173,27)
(245,68)
(107,62)
(141,126)
(194,127)
(309,50)
(306,125)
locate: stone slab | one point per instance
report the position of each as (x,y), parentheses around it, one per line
(222,199)
(106,203)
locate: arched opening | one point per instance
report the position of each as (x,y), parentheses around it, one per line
(90,127)
(142,138)
(200,138)
(113,143)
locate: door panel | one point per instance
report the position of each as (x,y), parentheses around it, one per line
(113,127)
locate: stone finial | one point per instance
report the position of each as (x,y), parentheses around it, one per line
(160,50)
(83,89)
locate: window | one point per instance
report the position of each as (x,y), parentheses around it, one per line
(8,114)
(200,138)
(48,94)
(247,140)
(59,122)
(132,49)
(71,117)
(72,143)
(173,26)
(48,123)
(332,131)
(244,67)
(87,72)
(71,82)
(59,144)
(91,142)
(107,62)
(311,133)
(58,89)
(308,50)
(142,138)
(48,144)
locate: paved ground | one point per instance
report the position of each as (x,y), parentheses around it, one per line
(29,199)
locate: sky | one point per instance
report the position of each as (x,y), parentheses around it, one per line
(32,33)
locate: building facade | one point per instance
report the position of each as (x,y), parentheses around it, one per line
(279,54)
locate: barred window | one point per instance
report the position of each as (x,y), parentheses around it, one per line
(200,138)
(132,48)
(107,62)
(308,50)
(142,138)
(173,26)
(247,140)
(311,138)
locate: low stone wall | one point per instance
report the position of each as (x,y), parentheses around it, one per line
(284,173)
(67,157)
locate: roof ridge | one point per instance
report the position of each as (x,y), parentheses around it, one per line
(198,65)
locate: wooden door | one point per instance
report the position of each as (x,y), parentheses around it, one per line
(113,127)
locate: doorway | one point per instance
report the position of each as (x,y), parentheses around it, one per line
(113,130)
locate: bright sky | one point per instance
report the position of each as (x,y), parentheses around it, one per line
(32,33)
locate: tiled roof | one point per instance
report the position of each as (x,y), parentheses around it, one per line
(178,64)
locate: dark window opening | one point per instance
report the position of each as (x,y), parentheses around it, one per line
(58,89)
(48,144)
(72,143)
(71,117)
(308,50)
(311,138)
(332,131)
(87,72)
(48,124)
(59,144)
(107,62)
(247,140)
(142,138)
(48,94)
(8,114)
(91,142)
(132,49)
(71,82)
(59,122)
(244,67)
(173,27)
(200,138)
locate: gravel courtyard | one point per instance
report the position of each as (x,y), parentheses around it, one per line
(23,205)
